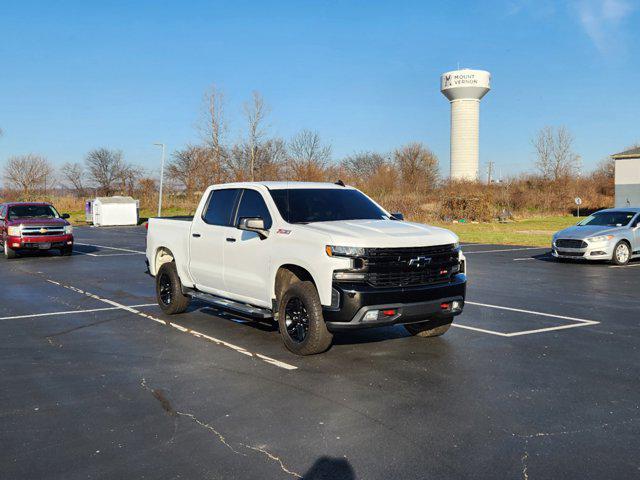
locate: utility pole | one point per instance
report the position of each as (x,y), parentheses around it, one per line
(161,178)
(489,172)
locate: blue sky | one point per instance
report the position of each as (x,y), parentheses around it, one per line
(364,74)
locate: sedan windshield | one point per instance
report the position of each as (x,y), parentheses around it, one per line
(297,205)
(608,219)
(32,211)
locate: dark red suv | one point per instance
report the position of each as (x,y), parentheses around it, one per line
(34,226)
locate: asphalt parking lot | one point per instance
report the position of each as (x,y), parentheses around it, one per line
(539,379)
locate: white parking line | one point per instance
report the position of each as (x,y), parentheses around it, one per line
(523,259)
(581,322)
(506,250)
(532,312)
(217,341)
(110,248)
(69,312)
(625,266)
(105,254)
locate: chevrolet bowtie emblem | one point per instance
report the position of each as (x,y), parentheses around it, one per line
(43,230)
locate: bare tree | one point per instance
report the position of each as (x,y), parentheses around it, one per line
(364,164)
(195,168)
(555,158)
(213,127)
(606,168)
(74,175)
(308,157)
(28,173)
(269,159)
(418,166)
(255,113)
(109,172)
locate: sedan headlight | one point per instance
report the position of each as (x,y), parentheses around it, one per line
(68,229)
(600,238)
(14,231)
(334,251)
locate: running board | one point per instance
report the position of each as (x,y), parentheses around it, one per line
(225,304)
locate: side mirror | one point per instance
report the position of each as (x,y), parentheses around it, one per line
(253,224)
(65,216)
(397,216)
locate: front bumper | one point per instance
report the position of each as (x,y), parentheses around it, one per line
(593,251)
(37,243)
(411,304)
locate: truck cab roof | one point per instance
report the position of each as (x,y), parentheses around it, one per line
(284,185)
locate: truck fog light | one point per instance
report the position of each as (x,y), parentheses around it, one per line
(370,316)
(456,305)
(346,276)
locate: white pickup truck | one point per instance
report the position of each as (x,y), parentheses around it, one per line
(315,257)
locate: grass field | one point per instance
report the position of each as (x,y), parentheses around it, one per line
(535,231)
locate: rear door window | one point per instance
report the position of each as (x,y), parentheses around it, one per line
(252,205)
(220,207)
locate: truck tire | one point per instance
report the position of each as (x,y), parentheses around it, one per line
(621,253)
(426,329)
(66,251)
(300,320)
(9,253)
(169,290)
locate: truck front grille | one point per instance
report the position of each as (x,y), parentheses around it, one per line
(411,266)
(42,230)
(570,243)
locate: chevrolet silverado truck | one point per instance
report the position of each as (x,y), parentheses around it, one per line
(34,226)
(317,258)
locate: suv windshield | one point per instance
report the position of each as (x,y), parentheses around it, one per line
(608,219)
(32,211)
(297,205)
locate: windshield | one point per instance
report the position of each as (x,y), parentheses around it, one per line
(298,205)
(608,219)
(32,211)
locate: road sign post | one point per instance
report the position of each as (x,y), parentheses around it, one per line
(578,201)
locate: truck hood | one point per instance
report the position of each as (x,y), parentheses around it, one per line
(581,233)
(382,233)
(38,221)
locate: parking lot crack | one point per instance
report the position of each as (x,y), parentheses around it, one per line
(525,474)
(167,407)
(274,458)
(69,330)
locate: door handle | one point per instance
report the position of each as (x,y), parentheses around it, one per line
(196,235)
(229,239)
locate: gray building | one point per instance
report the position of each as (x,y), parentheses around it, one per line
(628,178)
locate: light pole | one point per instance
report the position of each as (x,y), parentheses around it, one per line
(161,178)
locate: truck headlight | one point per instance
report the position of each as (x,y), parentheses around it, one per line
(14,231)
(600,238)
(68,229)
(334,251)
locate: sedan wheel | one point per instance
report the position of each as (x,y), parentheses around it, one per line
(621,254)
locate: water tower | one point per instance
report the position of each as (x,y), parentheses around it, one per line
(464,89)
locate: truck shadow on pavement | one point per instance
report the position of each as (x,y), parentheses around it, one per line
(367,335)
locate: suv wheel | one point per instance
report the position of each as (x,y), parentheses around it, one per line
(426,329)
(169,290)
(9,252)
(621,253)
(300,320)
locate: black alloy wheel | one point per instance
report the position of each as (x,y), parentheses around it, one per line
(164,284)
(296,320)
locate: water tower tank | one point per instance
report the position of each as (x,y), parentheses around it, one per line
(464,89)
